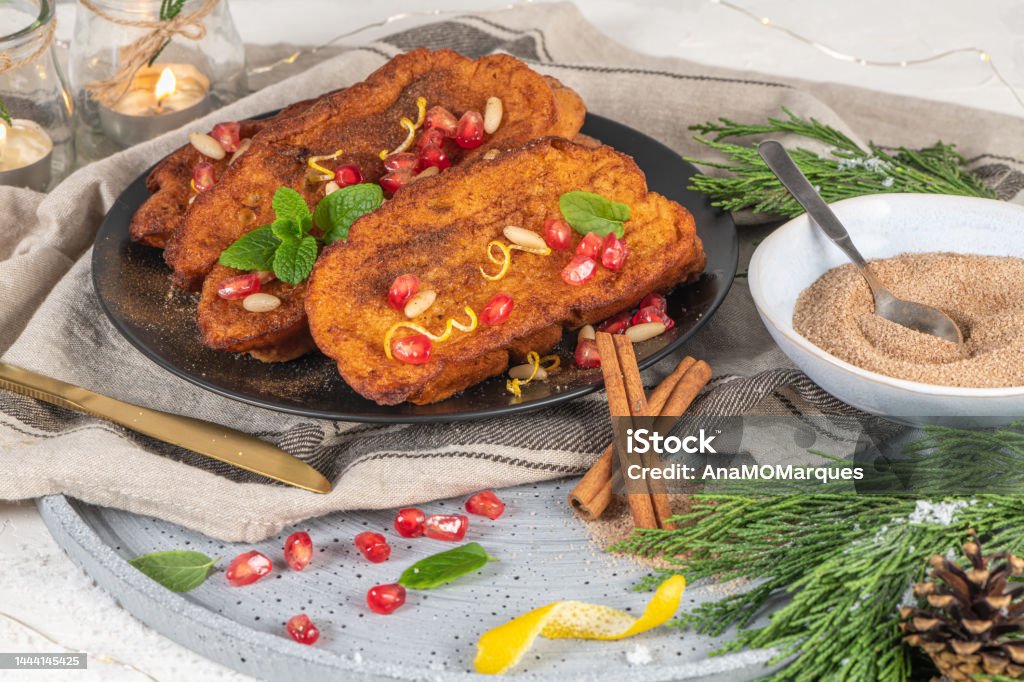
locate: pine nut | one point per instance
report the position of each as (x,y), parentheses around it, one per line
(492,114)
(243,146)
(428,172)
(586,332)
(525,238)
(260,303)
(491,154)
(523,372)
(330,187)
(206,145)
(419,303)
(647,330)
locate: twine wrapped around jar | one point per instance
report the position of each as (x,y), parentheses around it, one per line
(43,40)
(137,54)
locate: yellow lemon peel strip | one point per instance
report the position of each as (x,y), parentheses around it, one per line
(513,385)
(501,648)
(314,162)
(506,260)
(421,115)
(449,325)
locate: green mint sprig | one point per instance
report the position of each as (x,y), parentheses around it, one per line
(177,570)
(589,212)
(445,567)
(337,211)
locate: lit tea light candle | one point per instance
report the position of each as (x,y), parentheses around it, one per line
(25,151)
(161,98)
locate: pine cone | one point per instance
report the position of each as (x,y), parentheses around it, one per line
(971,619)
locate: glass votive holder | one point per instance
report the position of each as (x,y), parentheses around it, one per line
(140,68)
(36,113)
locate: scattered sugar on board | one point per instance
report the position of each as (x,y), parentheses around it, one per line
(983,295)
(639,655)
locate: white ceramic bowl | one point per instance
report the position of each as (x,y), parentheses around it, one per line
(796,254)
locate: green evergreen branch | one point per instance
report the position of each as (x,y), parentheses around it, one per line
(168,10)
(849,170)
(4,113)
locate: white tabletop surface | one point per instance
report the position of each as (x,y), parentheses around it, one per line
(40,586)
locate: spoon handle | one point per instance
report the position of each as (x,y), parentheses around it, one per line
(779,162)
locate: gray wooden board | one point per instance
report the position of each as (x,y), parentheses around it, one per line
(544,556)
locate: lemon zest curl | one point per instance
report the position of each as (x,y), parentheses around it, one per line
(448,327)
(411,128)
(314,162)
(506,260)
(514,386)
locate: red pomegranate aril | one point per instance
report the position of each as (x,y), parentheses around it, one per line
(432,137)
(653,314)
(580,270)
(617,324)
(384,599)
(412,350)
(613,252)
(485,503)
(239,286)
(587,354)
(400,161)
(298,550)
(470,132)
(557,234)
(247,568)
(409,522)
(656,300)
(374,546)
(203,176)
(450,527)
(497,309)
(402,289)
(302,630)
(228,134)
(395,180)
(441,119)
(589,246)
(348,174)
(432,155)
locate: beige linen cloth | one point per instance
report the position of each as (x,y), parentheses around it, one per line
(50,321)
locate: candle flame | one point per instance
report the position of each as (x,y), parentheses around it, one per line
(166,85)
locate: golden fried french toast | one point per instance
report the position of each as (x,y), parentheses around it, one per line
(361,121)
(440,229)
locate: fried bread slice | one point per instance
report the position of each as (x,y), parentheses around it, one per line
(439,230)
(362,120)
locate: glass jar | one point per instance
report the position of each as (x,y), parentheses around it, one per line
(37,147)
(132,82)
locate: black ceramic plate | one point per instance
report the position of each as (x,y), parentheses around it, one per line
(133,287)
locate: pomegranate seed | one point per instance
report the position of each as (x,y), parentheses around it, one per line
(409,522)
(302,630)
(442,119)
(653,314)
(617,324)
(432,137)
(402,289)
(432,155)
(395,180)
(239,286)
(470,132)
(579,271)
(587,354)
(497,309)
(613,252)
(228,134)
(401,161)
(656,300)
(384,599)
(203,176)
(450,527)
(589,246)
(349,174)
(298,550)
(485,503)
(247,568)
(557,234)
(374,546)
(412,350)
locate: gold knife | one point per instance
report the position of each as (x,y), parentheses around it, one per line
(206,438)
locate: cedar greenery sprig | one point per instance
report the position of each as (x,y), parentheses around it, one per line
(5,114)
(168,10)
(846,562)
(849,171)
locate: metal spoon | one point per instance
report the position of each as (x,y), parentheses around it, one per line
(916,316)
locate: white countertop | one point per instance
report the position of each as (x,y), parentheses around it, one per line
(41,587)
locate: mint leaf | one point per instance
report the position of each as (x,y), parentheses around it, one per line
(294,259)
(338,210)
(289,205)
(178,571)
(252,251)
(286,228)
(589,212)
(445,567)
